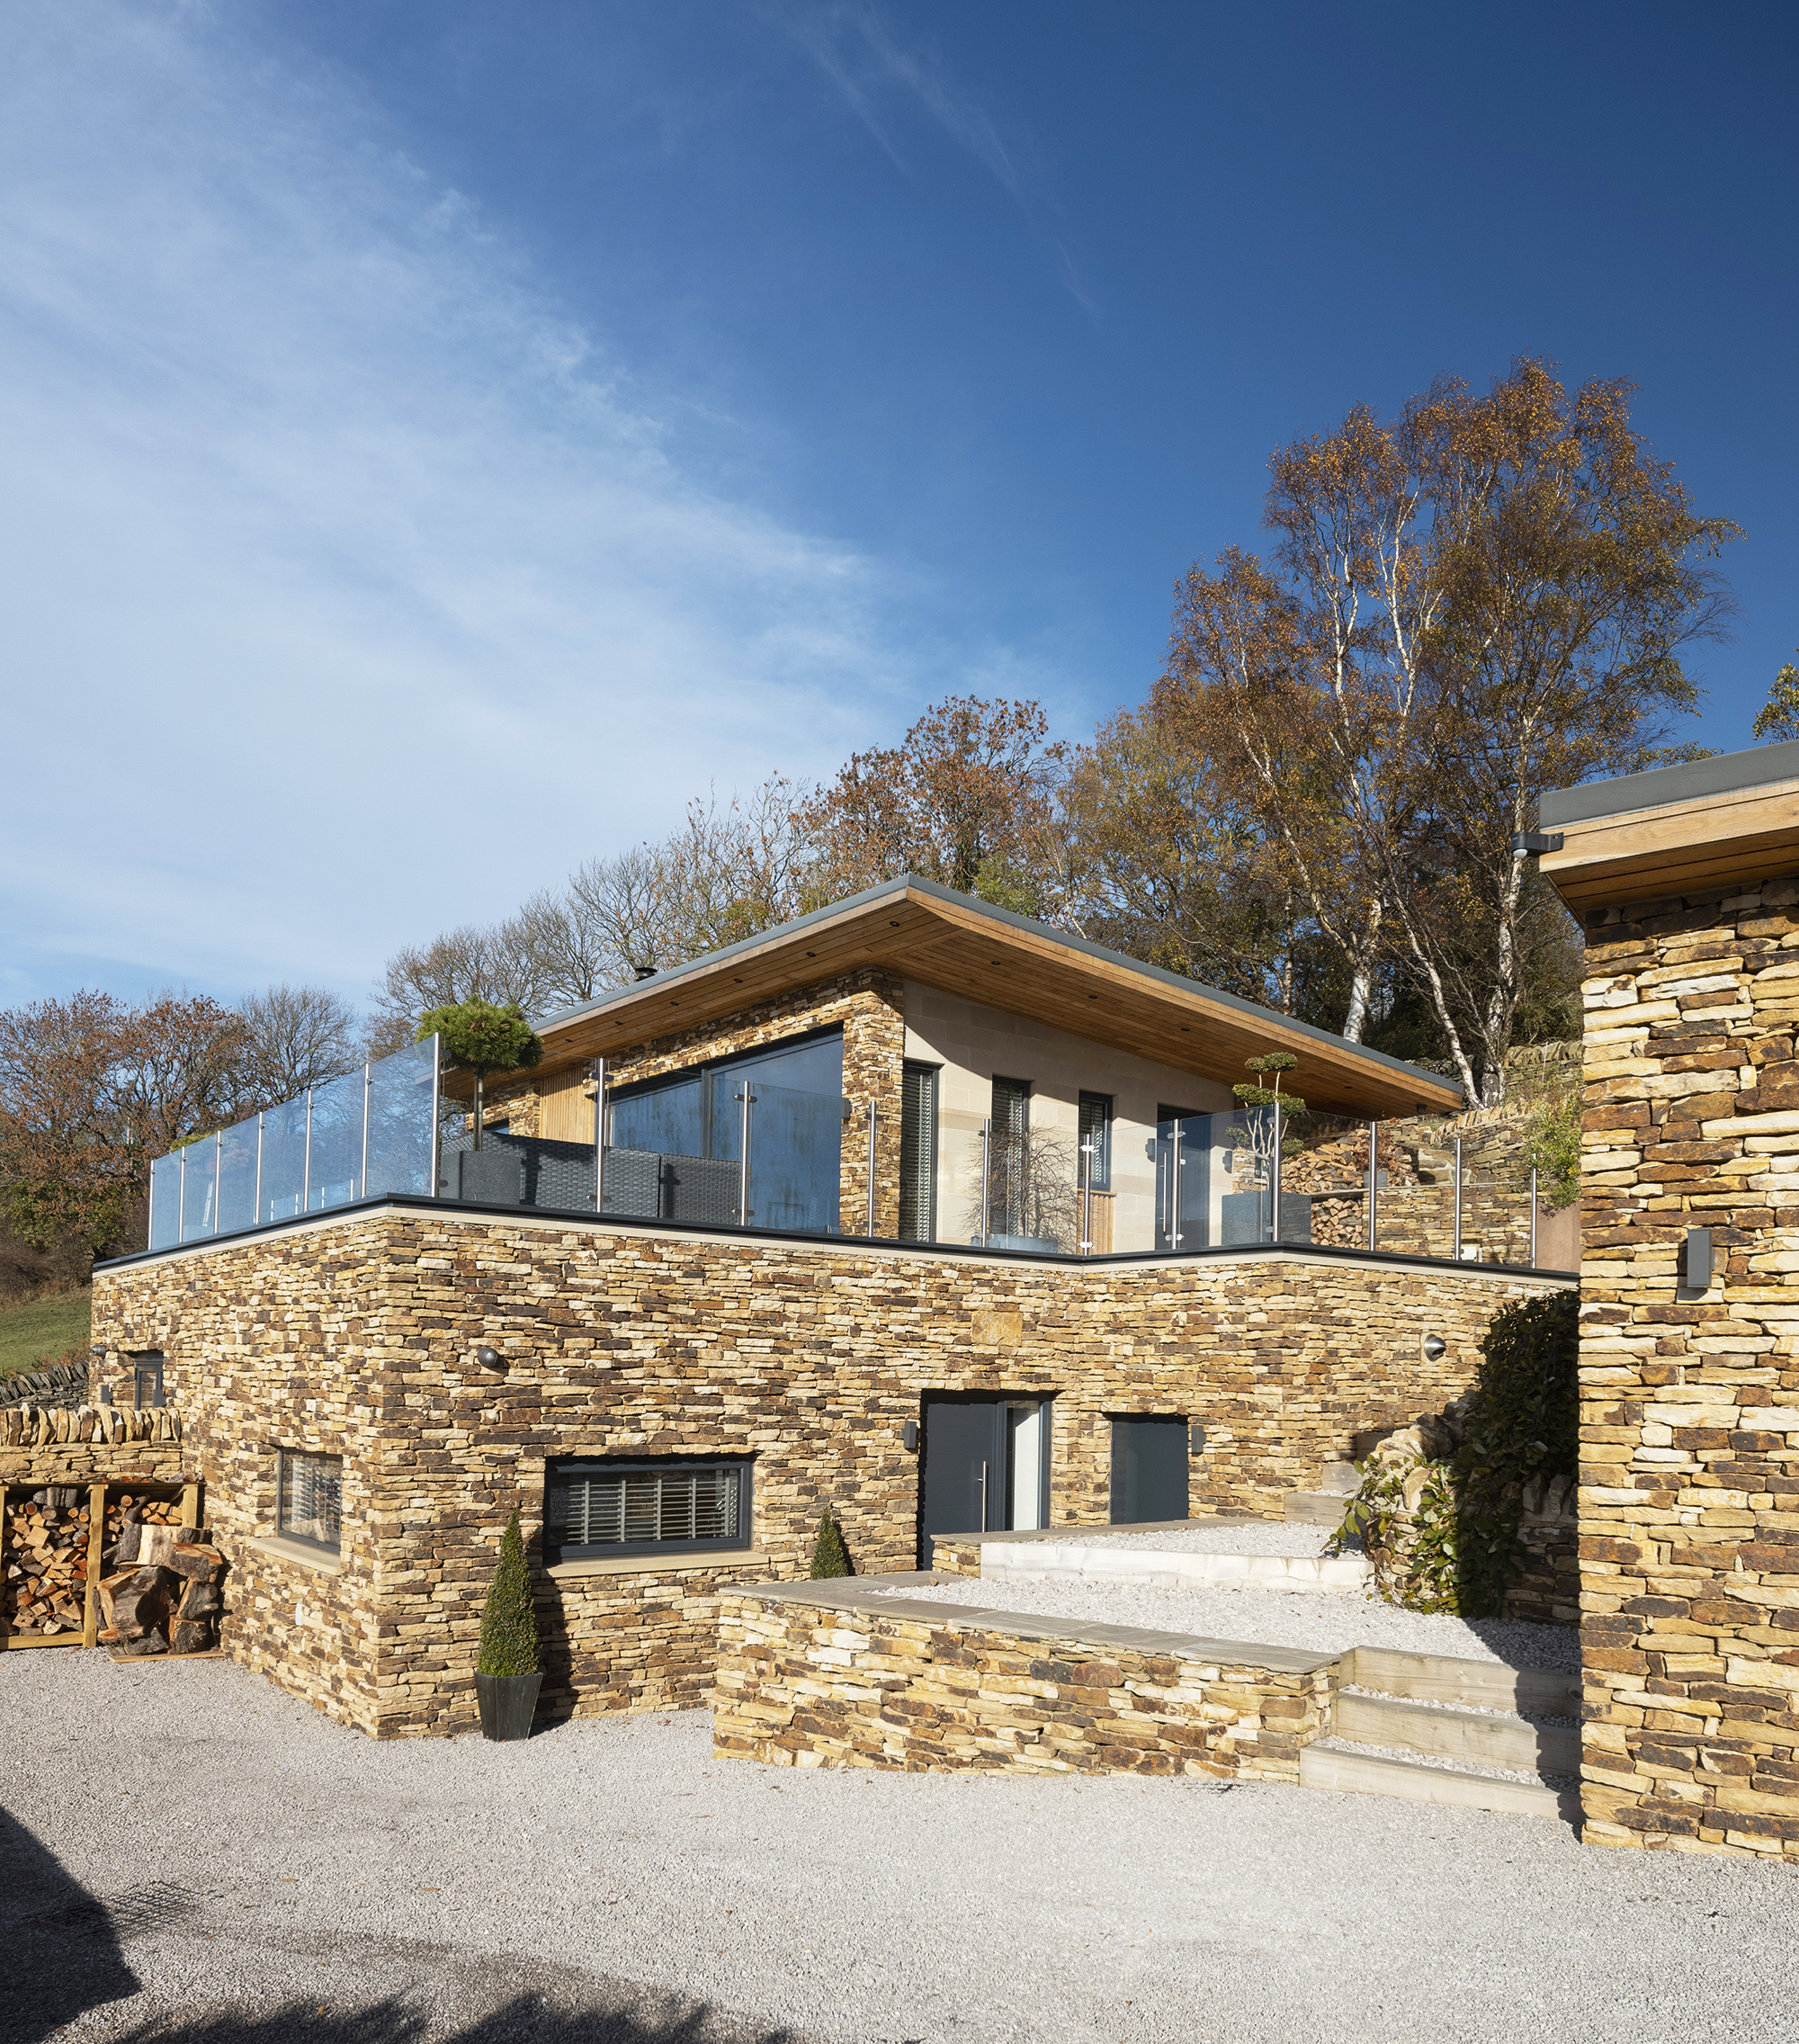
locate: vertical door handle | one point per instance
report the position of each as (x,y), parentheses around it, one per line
(983,1497)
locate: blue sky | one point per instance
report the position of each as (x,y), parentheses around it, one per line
(441,438)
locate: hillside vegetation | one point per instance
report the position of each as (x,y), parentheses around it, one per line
(44,1330)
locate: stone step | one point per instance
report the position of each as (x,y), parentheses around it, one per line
(1480,1685)
(1315,1507)
(1489,1738)
(1323,1765)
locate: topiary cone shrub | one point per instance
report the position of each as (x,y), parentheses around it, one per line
(830,1557)
(509,1617)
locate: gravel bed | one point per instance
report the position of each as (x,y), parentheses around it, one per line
(1212,1537)
(186,1850)
(1325,1621)
(1417,1759)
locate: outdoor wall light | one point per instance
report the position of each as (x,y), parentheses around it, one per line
(106,1393)
(1434,1347)
(490,1359)
(908,1437)
(1195,1440)
(1696,1260)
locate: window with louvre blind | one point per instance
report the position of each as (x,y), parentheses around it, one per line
(1095,1139)
(919,1153)
(594,1510)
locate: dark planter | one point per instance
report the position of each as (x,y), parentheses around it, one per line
(508,1703)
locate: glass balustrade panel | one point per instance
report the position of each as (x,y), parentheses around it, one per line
(284,1161)
(238,1176)
(199,1189)
(399,1122)
(334,1177)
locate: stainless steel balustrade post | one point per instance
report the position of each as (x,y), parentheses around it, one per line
(599,1136)
(1087,1198)
(749,1099)
(368,1086)
(181,1201)
(1174,1187)
(259,1171)
(986,1178)
(306,1170)
(1532,1216)
(874,1119)
(1374,1175)
(436,1116)
(218,1177)
(1274,1181)
(1458,1199)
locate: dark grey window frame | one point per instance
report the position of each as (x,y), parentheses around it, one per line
(922,1068)
(685,1074)
(147,1364)
(1101,1177)
(283,1456)
(652,1464)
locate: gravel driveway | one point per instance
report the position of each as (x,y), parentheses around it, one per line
(191,1850)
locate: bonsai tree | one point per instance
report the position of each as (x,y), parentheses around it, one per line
(509,1619)
(479,1037)
(830,1557)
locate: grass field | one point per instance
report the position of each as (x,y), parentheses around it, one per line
(44,1330)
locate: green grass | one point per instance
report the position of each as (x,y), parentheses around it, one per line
(44,1330)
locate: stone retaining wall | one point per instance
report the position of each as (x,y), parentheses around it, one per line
(56,1383)
(822,1676)
(1690,1399)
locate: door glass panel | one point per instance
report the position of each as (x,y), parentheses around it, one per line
(1026,1429)
(1184,1188)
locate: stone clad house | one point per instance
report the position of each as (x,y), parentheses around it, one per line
(912,1209)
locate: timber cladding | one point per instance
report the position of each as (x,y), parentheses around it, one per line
(359,1336)
(1689,1433)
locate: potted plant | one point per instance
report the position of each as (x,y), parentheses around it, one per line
(479,1037)
(507,1675)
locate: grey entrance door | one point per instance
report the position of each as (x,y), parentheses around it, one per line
(964,1455)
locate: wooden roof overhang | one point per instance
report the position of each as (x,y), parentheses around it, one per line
(1690,830)
(922,931)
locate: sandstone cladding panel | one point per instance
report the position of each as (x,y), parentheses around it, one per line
(1689,1433)
(359,1336)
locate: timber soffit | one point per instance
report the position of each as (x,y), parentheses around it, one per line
(918,929)
(1708,825)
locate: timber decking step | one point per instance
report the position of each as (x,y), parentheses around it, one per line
(1487,1737)
(1324,1765)
(1477,1685)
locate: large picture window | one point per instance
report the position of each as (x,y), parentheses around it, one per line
(309,1497)
(596,1510)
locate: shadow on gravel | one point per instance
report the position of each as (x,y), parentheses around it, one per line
(61,1945)
(527,2017)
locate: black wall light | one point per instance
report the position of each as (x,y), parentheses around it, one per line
(908,1435)
(1195,1440)
(1434,1347)
(490,1359)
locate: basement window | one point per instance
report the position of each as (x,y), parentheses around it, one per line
(309,1498)
(594,1511)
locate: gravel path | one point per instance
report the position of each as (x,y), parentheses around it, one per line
(1328,1622)
(1216,1536)
(190,1848)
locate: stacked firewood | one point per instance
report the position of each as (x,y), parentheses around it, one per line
(159,1588)
(43,1564)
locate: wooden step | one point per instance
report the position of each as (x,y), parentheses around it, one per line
(1485,1737)
(1324,1766)
(1316,1508)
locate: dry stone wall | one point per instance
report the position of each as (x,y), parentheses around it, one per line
(359,1337)
(827,1678)
(1690,1435)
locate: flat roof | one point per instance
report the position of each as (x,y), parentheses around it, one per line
(918,929)
(1711,825)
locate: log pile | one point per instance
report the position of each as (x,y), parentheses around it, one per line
(159,1586)
(43,1564)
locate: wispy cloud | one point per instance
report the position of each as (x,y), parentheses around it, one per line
(856,48)
(352,589)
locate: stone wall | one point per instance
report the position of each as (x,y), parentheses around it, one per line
(868,1004)
(1689,1436)
(824,1676)
(359,1336)
(51,1383)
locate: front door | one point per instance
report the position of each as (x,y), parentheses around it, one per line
(986,1466)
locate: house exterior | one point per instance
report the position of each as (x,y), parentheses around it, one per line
(911,1210)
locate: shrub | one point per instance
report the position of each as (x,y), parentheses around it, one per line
(1441,1528)
(509,1619)
(830,1557)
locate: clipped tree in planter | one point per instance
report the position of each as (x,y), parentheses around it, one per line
(506,1673)
(830,1557)
(480,1037)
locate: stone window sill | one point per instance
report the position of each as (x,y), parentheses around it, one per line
(314,1558)
(661,1565)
